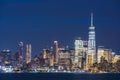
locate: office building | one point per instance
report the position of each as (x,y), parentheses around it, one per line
(116,58)
(64,58)
(55,52)
(44,54)
(5,56)
(20,51)
(104,53)
(78,52)
(28,53)
(91,55)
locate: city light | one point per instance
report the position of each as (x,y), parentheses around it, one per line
(85,57)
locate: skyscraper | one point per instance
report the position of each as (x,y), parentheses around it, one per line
(78,52)
(20,51)
(100,53)
(55,51)
(91,56)
(28,53)
(44,54)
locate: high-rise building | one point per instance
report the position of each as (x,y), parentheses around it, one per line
(91,55)
(113,55)
(104,53)
(108,55)
(28,53)
(72,55)
(5,56)
(44,54)
(78,52)
(64,58)
(85,51)
(55,52)
(100,53)
(51,60)
(20,51)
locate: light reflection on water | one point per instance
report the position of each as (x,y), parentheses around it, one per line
(58,76)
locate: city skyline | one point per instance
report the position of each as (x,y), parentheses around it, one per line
(41,24)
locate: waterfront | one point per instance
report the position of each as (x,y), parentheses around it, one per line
(59,76)
(60,40)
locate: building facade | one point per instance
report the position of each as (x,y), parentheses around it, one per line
(55,52)
(78,52)
(20,52)
(28,53)
(104,53)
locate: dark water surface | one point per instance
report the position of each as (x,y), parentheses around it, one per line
(58,76)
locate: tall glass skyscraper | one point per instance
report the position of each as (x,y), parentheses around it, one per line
(20,52)
(91,56)
(55,52)
(28,53)
(78,52)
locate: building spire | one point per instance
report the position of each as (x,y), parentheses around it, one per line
(91,19)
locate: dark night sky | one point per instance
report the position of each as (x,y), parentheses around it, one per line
(40,22)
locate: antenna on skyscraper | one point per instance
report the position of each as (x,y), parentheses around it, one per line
(91,18)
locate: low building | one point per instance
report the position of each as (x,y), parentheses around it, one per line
(116,58)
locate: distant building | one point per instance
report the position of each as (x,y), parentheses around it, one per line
(44,54)
(113,55)
(78,52)
(91,55)
(20,51)
(85,51)
(105,53)
(48,57)
(72,55)
(108,55)
(64,58)
(28,53)
(55,52)
(116,58)
(100,54)
(5,56)
(16,57)
(51,60)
